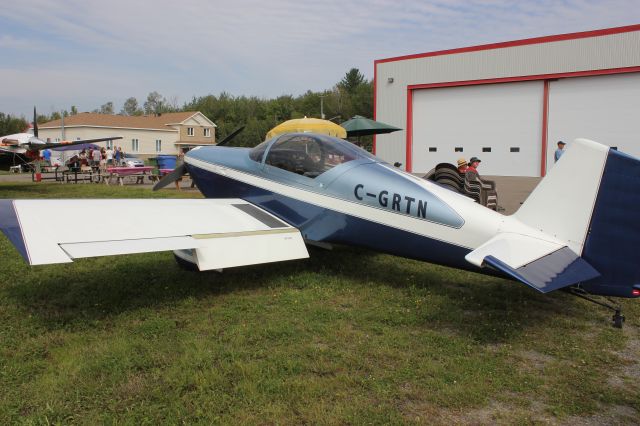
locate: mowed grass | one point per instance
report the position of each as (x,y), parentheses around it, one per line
(347,336)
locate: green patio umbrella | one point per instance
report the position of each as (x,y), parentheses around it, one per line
(361,126)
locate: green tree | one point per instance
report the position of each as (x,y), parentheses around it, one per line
(10,125)
(155,103)
(107,108)
(351,81)
(130,107)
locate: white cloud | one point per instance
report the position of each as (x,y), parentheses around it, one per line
(254,47)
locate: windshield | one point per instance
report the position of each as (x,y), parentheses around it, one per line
(308,154)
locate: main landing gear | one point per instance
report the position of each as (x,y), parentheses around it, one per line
(618,318)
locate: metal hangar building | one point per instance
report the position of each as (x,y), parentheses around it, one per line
(510,103)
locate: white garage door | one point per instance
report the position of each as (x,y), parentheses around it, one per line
(603,108)
(499,123)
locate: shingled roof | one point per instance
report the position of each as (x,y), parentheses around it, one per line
(159,122)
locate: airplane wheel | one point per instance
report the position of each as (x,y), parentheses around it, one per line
(185,264)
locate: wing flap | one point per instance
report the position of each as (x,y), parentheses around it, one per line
(218,252)
(541,264)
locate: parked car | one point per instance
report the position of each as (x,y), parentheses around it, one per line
(131,160)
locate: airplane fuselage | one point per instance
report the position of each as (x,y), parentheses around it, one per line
(363,203)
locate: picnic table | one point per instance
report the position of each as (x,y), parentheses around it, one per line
(119,173)
(82,174)
(46,171)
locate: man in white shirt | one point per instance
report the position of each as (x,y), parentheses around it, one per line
(109,154)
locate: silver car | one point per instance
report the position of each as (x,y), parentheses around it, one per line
(131,160)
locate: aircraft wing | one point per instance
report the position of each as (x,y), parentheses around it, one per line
(45,145)
(220,233)
(541,264)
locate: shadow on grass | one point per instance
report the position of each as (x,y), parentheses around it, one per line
(486,309)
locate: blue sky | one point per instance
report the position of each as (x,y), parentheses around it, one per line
(54,54)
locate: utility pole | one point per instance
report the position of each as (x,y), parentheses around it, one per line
(322,106)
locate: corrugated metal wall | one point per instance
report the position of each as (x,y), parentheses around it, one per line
(582,54)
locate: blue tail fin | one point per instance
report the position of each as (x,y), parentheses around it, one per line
(612,245)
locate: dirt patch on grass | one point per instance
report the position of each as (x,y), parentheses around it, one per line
(494,413)
(133,387)
(534,361)
(613,415)
(629,370)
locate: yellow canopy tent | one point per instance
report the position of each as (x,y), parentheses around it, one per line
(304,125)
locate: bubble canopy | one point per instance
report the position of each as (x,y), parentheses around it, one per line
(307,154)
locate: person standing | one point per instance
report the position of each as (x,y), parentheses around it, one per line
(559,151)
(46,154)
(118,156)
(109,153)
(179,162)
(97,156)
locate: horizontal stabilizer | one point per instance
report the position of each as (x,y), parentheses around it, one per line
(541,264)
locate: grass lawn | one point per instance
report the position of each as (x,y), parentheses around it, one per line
(347,336)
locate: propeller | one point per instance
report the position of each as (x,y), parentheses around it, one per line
(35,123)
(181,170)
(230,136)
(171,177)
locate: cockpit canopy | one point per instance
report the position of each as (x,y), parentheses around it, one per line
(307,154)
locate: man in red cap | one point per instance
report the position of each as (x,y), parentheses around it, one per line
(473,165)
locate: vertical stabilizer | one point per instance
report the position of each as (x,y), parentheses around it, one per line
(563,202)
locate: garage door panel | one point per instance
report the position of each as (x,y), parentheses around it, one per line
(505,118)
(601,108)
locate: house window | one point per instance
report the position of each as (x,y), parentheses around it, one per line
(486,149)
(134,145)
(515,149)
(458,149)
(189,131)
(207,133)
(433,149)
(158,145)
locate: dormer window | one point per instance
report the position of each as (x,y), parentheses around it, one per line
(207,133)
(189,131)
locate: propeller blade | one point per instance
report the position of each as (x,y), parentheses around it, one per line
(35,123)
(231,136)
(176,174)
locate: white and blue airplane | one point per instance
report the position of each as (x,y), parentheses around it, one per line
(577,231)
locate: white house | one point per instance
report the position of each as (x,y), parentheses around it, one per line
(147,135)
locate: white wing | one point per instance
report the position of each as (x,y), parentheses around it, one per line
(221,233)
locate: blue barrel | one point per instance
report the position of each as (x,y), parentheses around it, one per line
(166,161)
